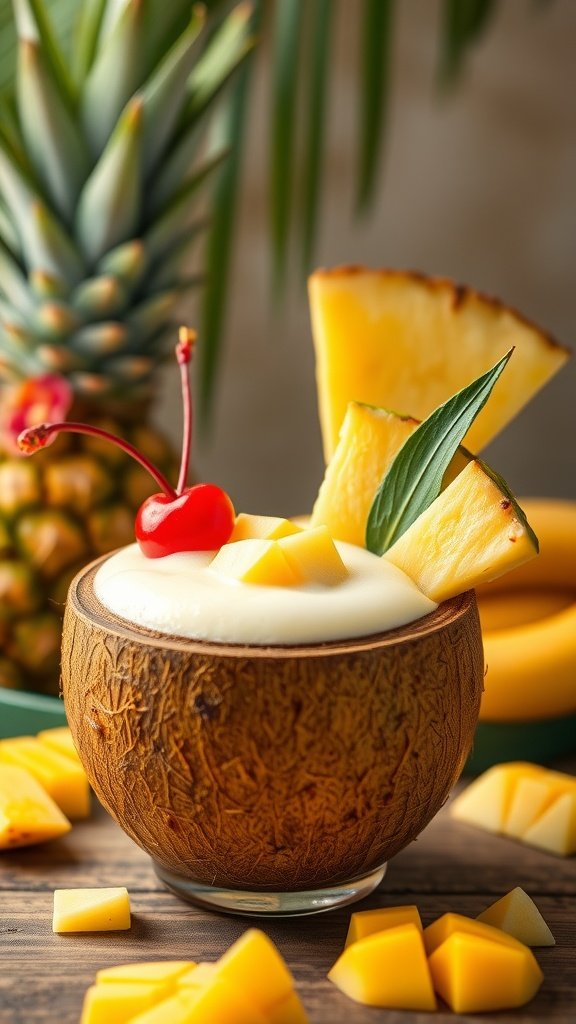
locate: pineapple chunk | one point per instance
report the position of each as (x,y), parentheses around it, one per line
(555,829)
(474,974)
(62,778)
(250,527)
(91,910)
(532,794)
(261,562)
(472,533)
(27,814)
(405,342)
(313,556)
(157,972)
(517,915)
(486,802)
(118,1004)
(369,441)
(439,932)
(60,740)
(369,922)
(387,969)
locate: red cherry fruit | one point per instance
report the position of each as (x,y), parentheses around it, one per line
(199,519)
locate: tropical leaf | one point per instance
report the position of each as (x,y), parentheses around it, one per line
(375,61)
(321,14)
(463,22)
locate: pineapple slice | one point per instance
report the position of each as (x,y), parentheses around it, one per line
(472,533)
(407,342)
(369,441)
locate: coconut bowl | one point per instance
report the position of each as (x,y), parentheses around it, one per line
(271,779)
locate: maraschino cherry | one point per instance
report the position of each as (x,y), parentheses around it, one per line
(198,518)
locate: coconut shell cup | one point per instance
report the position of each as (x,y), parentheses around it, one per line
(271,779)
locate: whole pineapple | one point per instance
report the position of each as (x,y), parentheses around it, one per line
(99,178)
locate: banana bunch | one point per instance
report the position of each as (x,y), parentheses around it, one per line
(529,625)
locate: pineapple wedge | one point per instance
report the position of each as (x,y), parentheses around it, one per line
(472,533)
(408,342)
(369,441)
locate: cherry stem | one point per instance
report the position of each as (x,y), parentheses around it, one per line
(186,342)
(31,440)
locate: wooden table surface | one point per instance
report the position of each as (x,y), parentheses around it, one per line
(452,867)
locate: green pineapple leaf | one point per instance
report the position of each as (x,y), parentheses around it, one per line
(172,222)
(33,24)
(86,38)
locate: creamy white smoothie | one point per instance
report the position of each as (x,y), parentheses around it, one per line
(181,595)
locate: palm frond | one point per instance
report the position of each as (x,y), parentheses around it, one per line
(463,22)
(375,58)
(321,16)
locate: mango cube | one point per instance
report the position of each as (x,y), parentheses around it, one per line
(60,740)
(441,930)
(173,1010)
(27,814)
(254,965)
(250,527)
(313,556)
(198,975)
(555,829)
(255,561)
(368,922)
(474,974)
(387,969)
(91,910)
(289,1011)
(156,973)
(118,1004)
(530,797)
(63,779)
(517,915)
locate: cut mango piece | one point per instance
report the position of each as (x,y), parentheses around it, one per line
(387,969)
(472,533)
(289,1011)
(173,1010)
(63,779)
(251,527)
(199,975)
(313,556)
(486,802)
(118,1004)
(475,975)
(517,915)
(441,930)
(219,1002)
(158,972)
(255,561)
(555,829)
(254,965)
(27,814)
(369,922)
(408,342)
(91,910)
(60,740)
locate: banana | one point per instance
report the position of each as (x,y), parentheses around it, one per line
(529,624)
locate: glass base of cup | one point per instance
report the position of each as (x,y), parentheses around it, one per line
(271,904)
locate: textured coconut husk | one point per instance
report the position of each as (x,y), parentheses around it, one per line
(271,768)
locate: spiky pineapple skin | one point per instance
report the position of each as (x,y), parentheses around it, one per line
(72,502)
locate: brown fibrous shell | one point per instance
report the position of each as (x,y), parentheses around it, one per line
(271,768)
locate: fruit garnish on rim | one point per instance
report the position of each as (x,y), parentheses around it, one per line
(197,518)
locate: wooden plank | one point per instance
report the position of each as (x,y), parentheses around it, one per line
(451,867)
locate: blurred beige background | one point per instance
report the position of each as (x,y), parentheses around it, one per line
(478,185)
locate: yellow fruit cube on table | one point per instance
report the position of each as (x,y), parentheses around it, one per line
(91,910)
(289,1011)
(388,969)
(473,974)
(59,739)
(251,527)
(198,975)
(368,922)
(441,930)
(555,829)
(487,800)
(63,779)
(517,915)
(254,965)
(119,1003)
(261,562)
(155,973)
(175,1009)
(27,814)
(313,556)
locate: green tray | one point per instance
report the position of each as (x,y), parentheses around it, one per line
(25,713)
(542,742)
